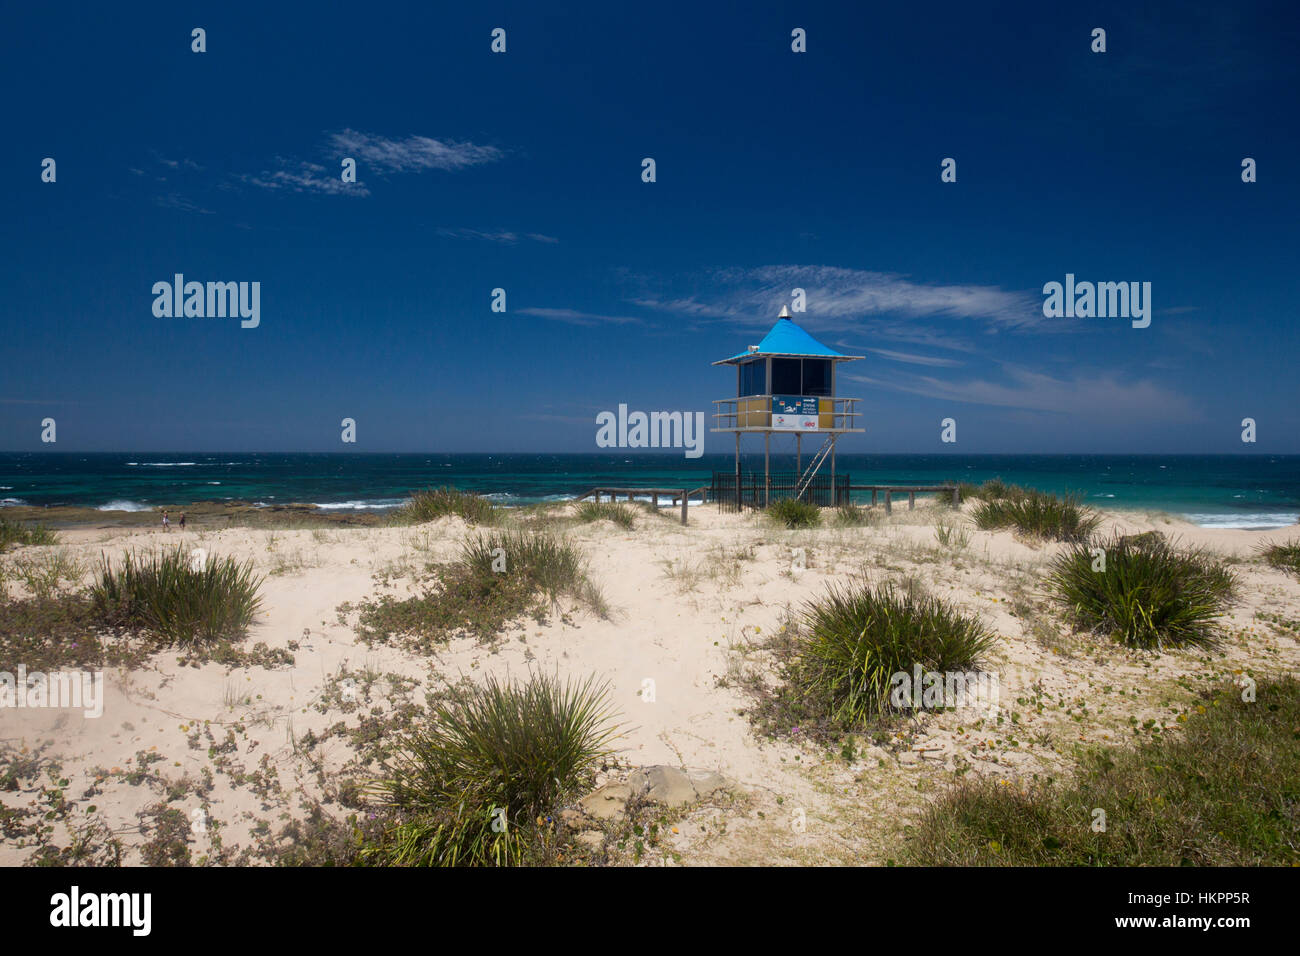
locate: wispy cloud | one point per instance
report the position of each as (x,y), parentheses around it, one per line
(303,177)
(412,154)
(375,154)
(912,359)
(177,201)
(1098,396)
(502,235)
(840,297)
(178,163)
(574,317)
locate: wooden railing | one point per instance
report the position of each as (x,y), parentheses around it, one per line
(911,490)
(676,494)
(843,413)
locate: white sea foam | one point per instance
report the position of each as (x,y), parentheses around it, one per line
(11,502)
(1255,522)
(121,505)
(163,464)
(359,505)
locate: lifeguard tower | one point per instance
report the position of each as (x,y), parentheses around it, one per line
(785,385)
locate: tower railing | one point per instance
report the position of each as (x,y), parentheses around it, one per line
(758,415)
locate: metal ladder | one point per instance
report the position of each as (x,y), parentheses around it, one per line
(811,471)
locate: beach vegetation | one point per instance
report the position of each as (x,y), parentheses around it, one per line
(430,504)
(44,573)
(1040,515)
(843,649)
(1143,590)
(58,632)
(852,516)
(793,513)
(20,533)
(481,780)
(995,489)
(1285,557)
(951,536)
(621,515)
(170,596)
(497,578)
(1222,794)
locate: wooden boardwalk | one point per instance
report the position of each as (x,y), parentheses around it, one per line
(683,496)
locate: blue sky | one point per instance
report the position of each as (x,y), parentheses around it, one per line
(522,171)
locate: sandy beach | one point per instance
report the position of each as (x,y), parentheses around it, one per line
(221,757)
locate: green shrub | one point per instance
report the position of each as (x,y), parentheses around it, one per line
(469,787)
(497,578)
(995,489)
(1227,793)
(548,564)
(1285,557)
(17,533)
(852,516)
(57,632)
(165,594)
(44,572)
(855,638)
(1040,515)
(621,515)
(953,536)
(1150,594)
(434,503)
(795,514)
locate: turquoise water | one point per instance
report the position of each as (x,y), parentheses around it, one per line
(1242,491)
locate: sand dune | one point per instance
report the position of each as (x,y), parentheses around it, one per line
(692,607)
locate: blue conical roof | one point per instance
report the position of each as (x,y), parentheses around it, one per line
(788,339)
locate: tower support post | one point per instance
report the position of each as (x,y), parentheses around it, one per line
(738,505)
(767,471)
(835,498)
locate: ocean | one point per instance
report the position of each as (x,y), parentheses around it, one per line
(1217,491)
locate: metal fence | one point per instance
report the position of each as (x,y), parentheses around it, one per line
(754,491)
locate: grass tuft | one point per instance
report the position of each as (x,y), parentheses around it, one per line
(164,593)
(1038,515)
(477,783)
(621,515)
(497,578)
(17,533)
(1284,557)
(44,573)
(1150,593)
(433,503)
(853,516)
(995,489)
(795,514)
(855,638)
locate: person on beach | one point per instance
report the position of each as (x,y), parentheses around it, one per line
(182,520)
(166,523)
